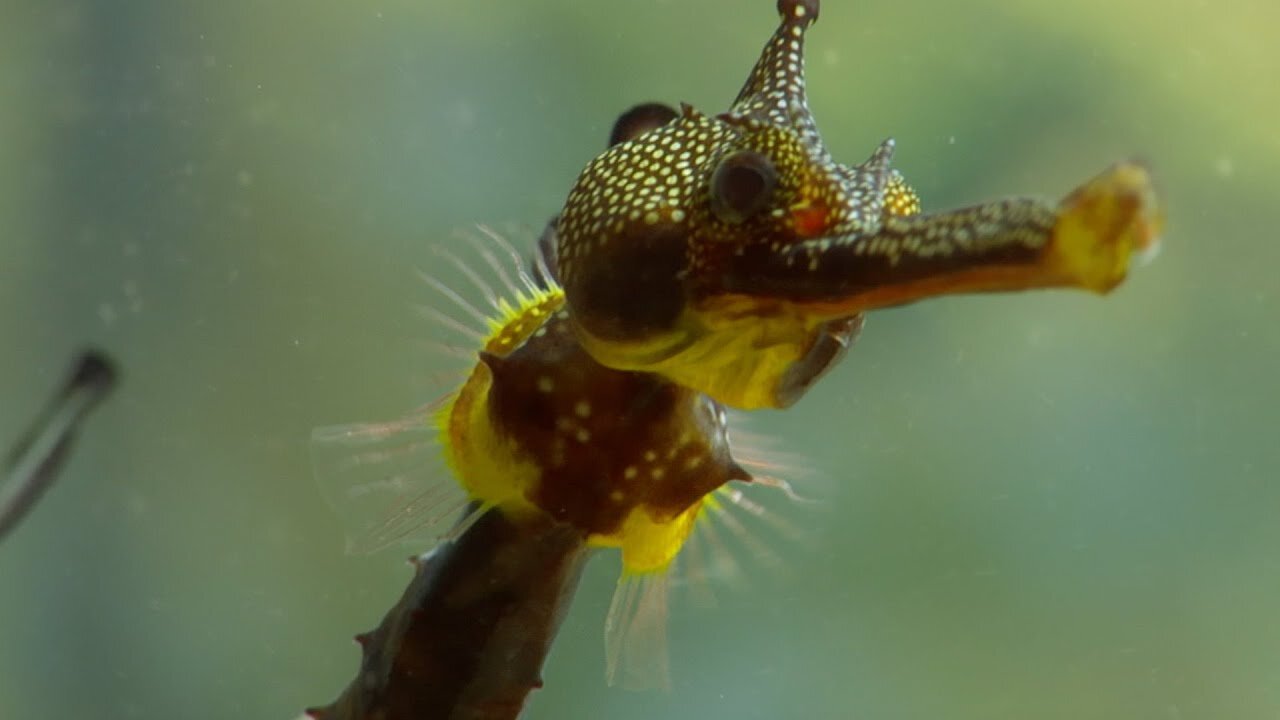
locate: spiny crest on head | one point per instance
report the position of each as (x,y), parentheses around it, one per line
(775,91)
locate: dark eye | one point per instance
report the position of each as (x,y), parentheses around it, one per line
(742,184)
(640,120)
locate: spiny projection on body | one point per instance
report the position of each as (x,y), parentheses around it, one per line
(706,261)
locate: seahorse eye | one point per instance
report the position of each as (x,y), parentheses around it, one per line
(742,184)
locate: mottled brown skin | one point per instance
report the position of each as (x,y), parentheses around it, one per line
(1009,233)
(630,125)
(606,440)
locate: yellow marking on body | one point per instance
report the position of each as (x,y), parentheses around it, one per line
(490,467)
(649,544)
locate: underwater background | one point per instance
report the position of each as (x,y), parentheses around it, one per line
(1048,505)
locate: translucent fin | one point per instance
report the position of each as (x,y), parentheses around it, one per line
(705,563)
(735,536)
(449,322)
(482,249)
(545,264)
(769,517)
(449,350)
(477,282)
(635,634)
(761,455)
(387,481)
(455,297)
(516,263)
(755,546)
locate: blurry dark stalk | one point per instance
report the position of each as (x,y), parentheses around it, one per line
(468,638)
(32,465)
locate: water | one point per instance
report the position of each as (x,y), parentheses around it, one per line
(1047,505)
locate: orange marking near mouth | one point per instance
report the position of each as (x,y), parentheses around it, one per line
(810,221)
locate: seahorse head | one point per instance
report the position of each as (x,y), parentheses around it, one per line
(661,238)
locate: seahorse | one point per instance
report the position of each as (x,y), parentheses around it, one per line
(701,262)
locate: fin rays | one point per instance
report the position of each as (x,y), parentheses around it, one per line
(635,633)
(636,655)
(385,481)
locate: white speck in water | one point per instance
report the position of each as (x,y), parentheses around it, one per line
(134,297)
(1224,167)
(107,313)
(137,504)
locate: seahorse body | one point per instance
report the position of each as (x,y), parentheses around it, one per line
(625,457)
(706,260)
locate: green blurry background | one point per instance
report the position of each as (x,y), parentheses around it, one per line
(1039,506)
